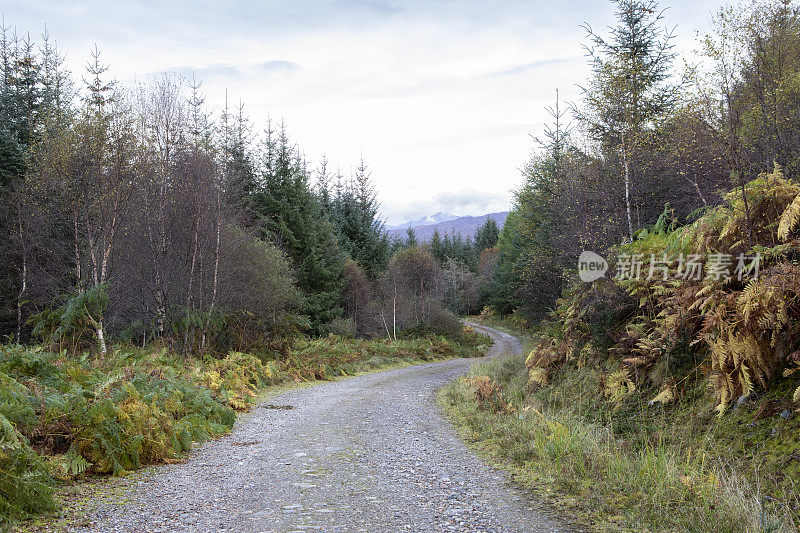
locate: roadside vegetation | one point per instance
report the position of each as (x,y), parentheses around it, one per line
(597,448)
(65,417)
(656,397)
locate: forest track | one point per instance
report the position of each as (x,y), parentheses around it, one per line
(367,453)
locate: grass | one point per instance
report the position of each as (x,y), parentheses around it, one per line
(65,419)
(628,466)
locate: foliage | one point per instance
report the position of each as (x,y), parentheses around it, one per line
(488,394)
(292,215)
(456,247)
(24,481)
(461,288)
(529,272)
(66,417)
(623,466)
(487,235)
(80,314)
(744,328)
(136,407)
(355,214)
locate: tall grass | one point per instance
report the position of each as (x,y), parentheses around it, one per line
(650,483)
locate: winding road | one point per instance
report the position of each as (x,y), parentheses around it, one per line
(368,453)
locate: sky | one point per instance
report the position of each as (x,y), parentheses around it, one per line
(440,97)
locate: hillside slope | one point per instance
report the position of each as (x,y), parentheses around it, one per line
(466,226)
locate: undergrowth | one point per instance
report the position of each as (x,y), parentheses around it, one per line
(64,417)
(623,463)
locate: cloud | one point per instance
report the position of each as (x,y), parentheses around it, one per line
(277,66)
(461,203)
(470,201)
(375,6)
(527,67)
(234,71)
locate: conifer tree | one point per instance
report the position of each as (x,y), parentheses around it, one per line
(437,247)
(411,238)
(630,89)
(487,235)
(360,229)
(292,216)
(323,185)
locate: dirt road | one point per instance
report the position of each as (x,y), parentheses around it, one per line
(368,453)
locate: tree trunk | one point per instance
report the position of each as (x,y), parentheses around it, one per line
(215,282)
(626,167)
(101,339)
(78,273)
(216,249)
(385,325)
(161,310)
(698,191)
(24,288)
(191,280)
(394,312)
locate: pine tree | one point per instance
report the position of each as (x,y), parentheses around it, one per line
(239,170)
(504,294)
(487,235)
(22,101)
(360,229)
(528,272)
(35,106)
(629,90)
(437,247)
(411,238)
(323,186)
(292,216)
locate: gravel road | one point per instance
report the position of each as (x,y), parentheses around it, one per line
(368,453)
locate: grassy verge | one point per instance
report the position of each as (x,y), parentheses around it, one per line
(66,418)
(628,466)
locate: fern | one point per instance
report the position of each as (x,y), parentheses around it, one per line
(789,219)
(538,375)
(24,478)
(748,300)
(666,396)
(618,386)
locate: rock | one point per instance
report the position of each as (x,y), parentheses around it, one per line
(741,401)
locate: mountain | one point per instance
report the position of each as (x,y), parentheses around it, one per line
(424,221)
(466,226)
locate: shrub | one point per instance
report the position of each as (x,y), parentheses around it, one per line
(343,327)
(443,322)
(140,406)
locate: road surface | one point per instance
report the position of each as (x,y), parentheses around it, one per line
(367,453)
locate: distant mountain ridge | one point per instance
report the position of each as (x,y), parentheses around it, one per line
(438,218)
(466,226)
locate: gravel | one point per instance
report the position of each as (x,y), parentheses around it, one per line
(368,453)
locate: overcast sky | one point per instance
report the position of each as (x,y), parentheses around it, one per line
(439,96)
